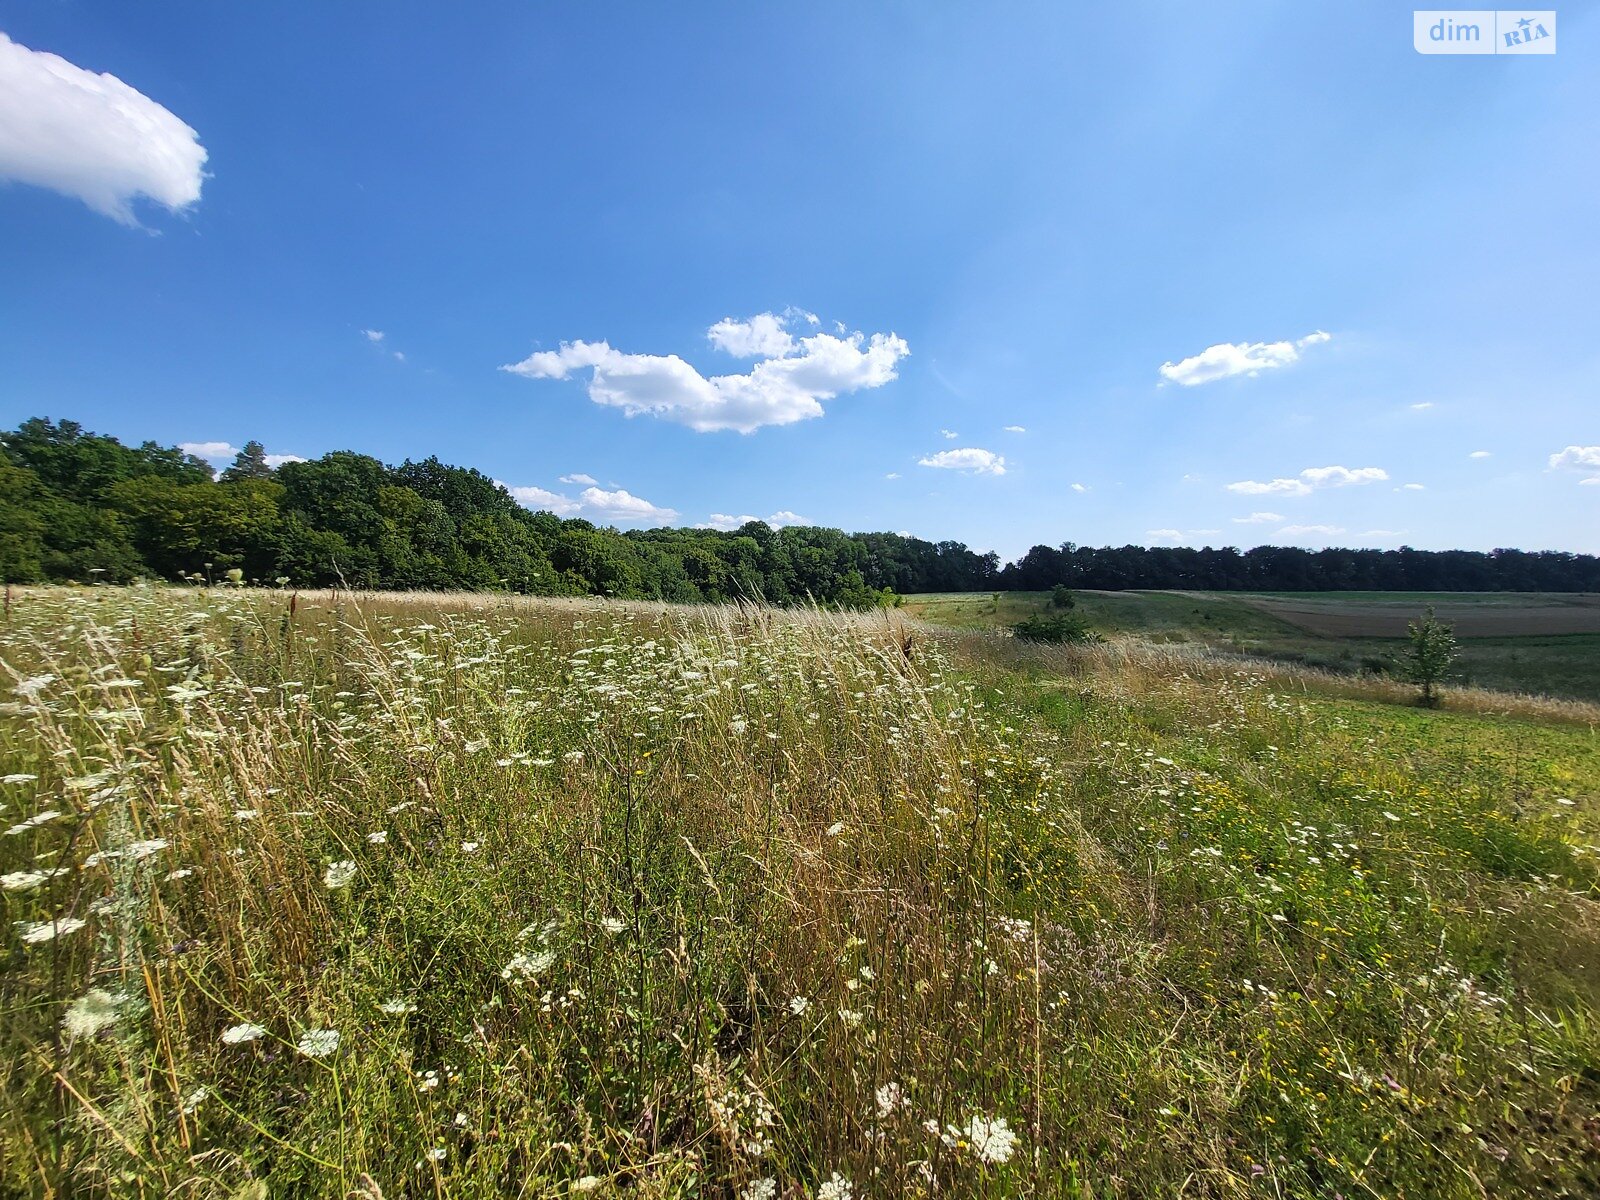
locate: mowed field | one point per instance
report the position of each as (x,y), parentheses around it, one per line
(1538,643)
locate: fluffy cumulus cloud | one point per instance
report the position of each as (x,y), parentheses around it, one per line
(619,507)
(969,459)
(1579,458)
(92,136)
(1227,359)
(1310,480)
(789,383)
(209,450)
(727,521)
(277,460)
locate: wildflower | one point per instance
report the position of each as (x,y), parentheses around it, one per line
(993,1141)
(437,1154)
(34,822)
(799,1004)
(1389,816)
(18,778)
(237,1035)
(339,874)
(318,1043)
(837,1188)
(890,1099)
(528,966)
(91,1013)
(836,829)
(760,1189)
(23,881)
(469,847)
(195,1098)
(44,931)
(397,1007)
(33,685)
(138,850)
(586,1184)
(612,925)
(851,1017)
(378,838)
(246,814)
(737,726)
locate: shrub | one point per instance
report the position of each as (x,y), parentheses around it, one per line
(1055,627)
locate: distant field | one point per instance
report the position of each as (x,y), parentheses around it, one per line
(1473,615)
(1537,642)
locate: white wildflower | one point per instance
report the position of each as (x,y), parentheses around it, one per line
(799,1004)
(237,1035)
(891,1098)
(528,966)
(397,1007)
(760,1189)
(318,1043)
(195,1098)
(612,925)
(33,822)
(378,838)
(339,874)
(89,1014)
(44,931)
(837,1188)
(992,1140)
(18,778)
(23,881)
(836,829)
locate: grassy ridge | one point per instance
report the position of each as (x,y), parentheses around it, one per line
(473,898)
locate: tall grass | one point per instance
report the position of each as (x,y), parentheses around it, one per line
(432,896)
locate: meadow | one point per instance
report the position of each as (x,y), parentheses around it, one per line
(1528,642)
(470,896)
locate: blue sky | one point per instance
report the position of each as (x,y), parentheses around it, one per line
(1183,253)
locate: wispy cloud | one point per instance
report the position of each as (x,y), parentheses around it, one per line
(92,136)
(373,335)
(1259,518)
(969,459)
(1309,480)
(579,477)
(1481,454)
(1227,359)
(789,383)
(1015,429)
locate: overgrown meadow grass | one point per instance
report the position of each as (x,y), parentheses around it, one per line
(465,897)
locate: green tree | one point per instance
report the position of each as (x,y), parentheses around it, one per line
(1432,650)
(249,463)
(1061,597)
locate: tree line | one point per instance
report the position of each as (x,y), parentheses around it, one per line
(80,506)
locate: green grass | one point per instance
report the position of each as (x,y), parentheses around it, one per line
(1566,666)
(631,900)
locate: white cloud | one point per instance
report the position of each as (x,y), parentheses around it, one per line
(538,499)
(209,449)
(789,384)
(1380,533)
(1164,535)
(579,477)
(1424,405)
(1015,429)
(614,508)
(277,460)
(1309,480)
(1412,487)
(1578,458)
(978,462)
(1080,487)
(1309,531)
(1480,454)
(892,475)
(1258,518)
(624,508)
(949,434)
(373,335)
(762,336)
(727,522)
(1593,479)
(399,356)
(1227,359)
(92,136)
